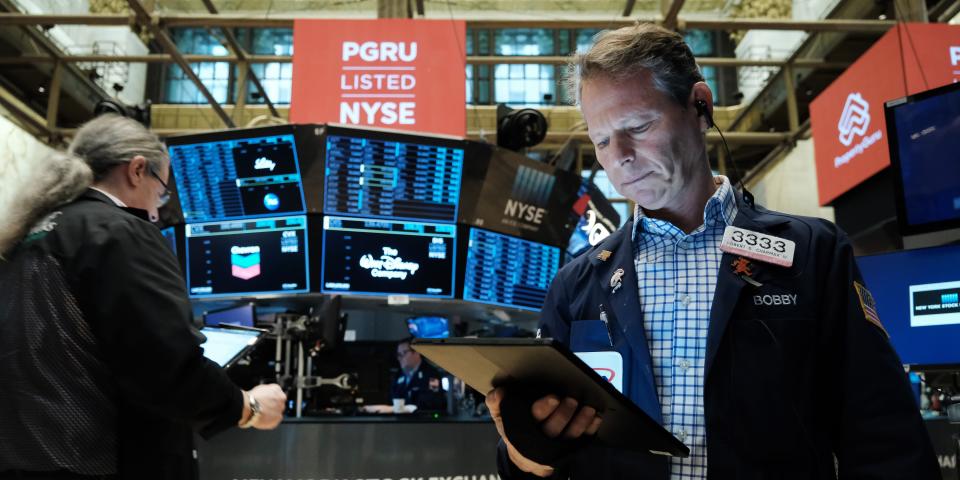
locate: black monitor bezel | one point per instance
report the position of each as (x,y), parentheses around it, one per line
(889,109)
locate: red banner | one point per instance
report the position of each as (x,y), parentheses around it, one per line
(847,120)
(400,74)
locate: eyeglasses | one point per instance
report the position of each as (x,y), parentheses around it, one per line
(403,353)
(165,196)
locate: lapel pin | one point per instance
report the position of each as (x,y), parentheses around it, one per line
(604,255)
(741,267)
(616,281)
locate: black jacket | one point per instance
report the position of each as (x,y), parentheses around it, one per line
(788,387)
(124,382)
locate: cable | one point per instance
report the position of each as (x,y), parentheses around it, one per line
(903,60)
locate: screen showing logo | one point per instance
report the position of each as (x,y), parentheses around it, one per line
(855,118)
(271,201)
(264,163)
(935,304)
(245,262)
(531,188)
(390,265)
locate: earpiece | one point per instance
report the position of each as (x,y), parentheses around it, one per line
(703,111)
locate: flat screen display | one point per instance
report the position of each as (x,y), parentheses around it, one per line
(225,345)
(242,315)
(524,198)
(918,300)
(248,257)
(388,257)
(400,177)
(508,271)
(428,327)
(924,132)
(221,179)
(170,236)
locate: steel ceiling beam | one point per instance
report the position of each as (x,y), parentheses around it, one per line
(472,60)
(27,117)
(241,55)
(827,25)
(163,38)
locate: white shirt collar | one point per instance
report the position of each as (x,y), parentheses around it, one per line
(112,198)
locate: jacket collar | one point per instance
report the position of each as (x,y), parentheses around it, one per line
(93,195)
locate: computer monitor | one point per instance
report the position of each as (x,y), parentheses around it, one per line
(248,257)
(382,257)
(508,271)
(242,315)
(924,139)
(170,236)
(225,345)
(520,196)
(380,174)
(237,174)
(428,327)
(918,300)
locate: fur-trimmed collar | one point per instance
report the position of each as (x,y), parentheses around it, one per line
(32,185)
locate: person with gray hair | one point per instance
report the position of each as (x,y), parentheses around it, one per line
(747,334)
(103,375)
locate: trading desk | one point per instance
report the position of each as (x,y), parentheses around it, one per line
(367,447)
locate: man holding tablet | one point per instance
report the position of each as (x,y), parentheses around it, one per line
(748,334)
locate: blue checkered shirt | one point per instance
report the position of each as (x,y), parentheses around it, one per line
(677,276)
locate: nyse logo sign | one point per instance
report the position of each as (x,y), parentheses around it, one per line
(387,73)
(371,95)
(531,190)
(855,118)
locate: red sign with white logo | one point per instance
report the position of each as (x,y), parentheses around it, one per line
(847,119)
(400,74)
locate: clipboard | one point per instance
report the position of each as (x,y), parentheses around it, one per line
(487,363)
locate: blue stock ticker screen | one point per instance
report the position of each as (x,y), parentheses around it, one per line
(918,300)
(248,257)
(508,271)
(383,257)
(240,178)
(392,179)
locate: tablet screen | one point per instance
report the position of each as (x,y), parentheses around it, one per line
(224,345)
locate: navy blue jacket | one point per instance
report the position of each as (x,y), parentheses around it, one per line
(788,387)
